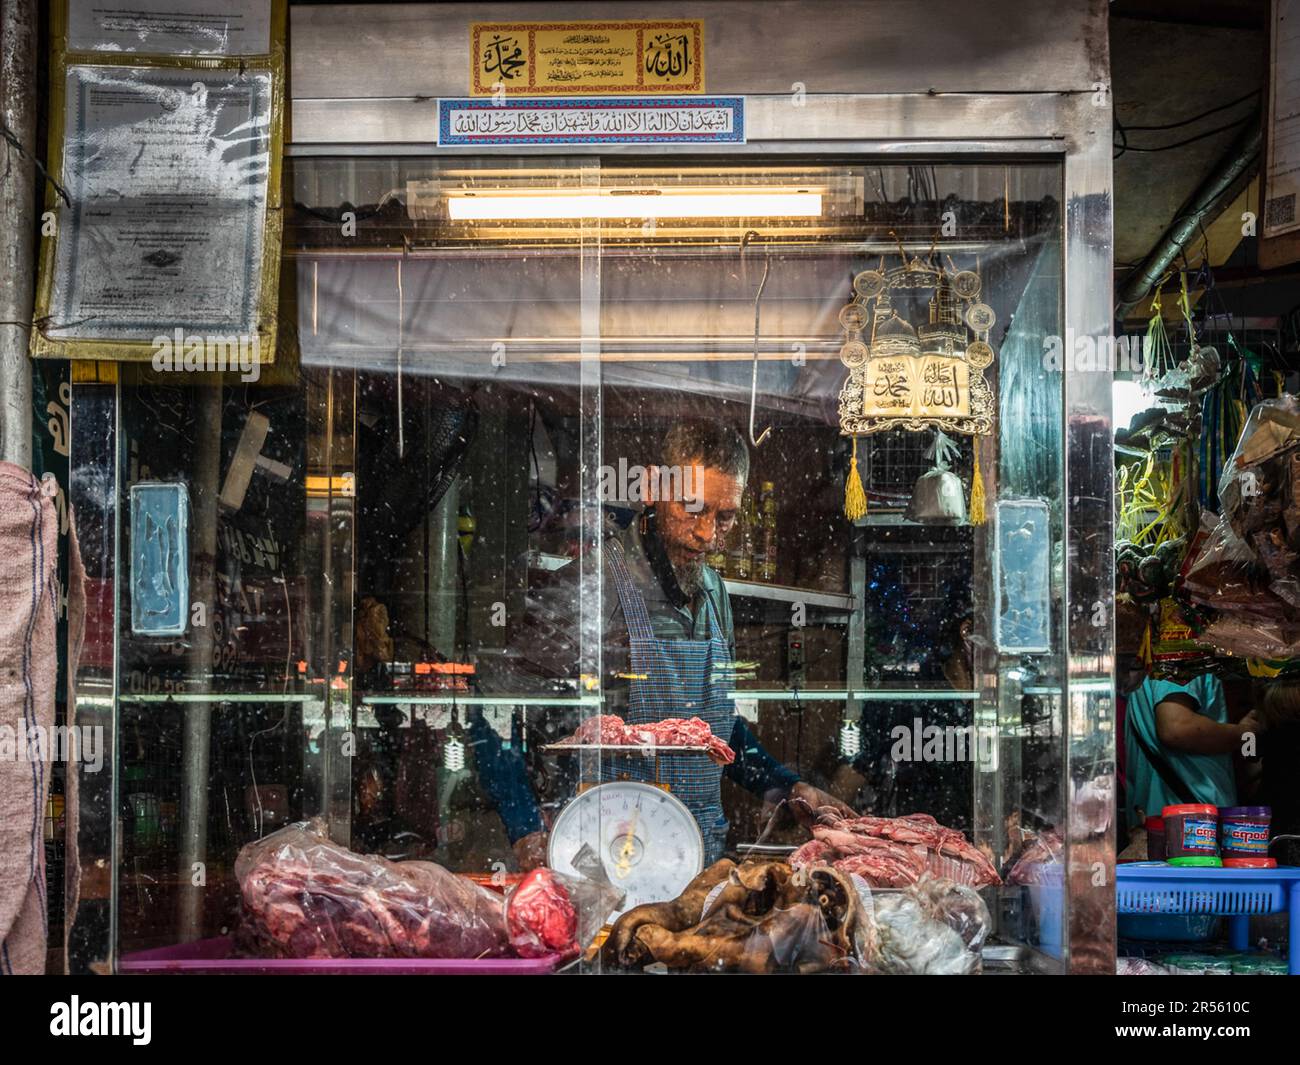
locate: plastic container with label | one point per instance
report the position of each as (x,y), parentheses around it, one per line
(1243,831)
(1191,831)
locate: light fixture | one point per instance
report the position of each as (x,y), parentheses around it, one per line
(850,740)
(482,205)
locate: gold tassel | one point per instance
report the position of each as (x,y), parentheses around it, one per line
(977,515)
(855,498)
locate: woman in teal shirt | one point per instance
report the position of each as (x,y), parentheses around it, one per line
(1186,727)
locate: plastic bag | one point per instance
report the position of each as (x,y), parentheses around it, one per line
(815,923)
(1272,428)
(1225,573)
(1249,636)
(307,897)
(935,927)
(758,917)
(1039,861)
(553,913)
(1139,967)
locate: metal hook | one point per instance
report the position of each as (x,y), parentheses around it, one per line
(753,377)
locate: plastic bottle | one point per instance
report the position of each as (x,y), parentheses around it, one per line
(740,544)
(765,563)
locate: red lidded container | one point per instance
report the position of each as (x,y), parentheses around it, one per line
(1191,830)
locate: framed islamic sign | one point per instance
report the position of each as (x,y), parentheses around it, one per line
(623,58)
(917,376)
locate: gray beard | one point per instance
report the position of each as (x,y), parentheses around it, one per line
(688,577)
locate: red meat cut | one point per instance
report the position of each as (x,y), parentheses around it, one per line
(611,730)
(894,851)
(306,897)
(541,918)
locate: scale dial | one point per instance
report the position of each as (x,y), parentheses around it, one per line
(648,842)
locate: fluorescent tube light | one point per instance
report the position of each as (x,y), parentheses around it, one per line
(633,203)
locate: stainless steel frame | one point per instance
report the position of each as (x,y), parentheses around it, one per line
(880,78)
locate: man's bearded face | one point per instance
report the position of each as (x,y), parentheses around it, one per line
(688,533)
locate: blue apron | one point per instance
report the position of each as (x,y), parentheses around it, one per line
(681,679)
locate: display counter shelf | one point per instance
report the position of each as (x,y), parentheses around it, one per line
(1154,888)
(813,695)
(785,593)
(212,957)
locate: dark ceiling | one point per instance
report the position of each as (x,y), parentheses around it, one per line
(1163,72)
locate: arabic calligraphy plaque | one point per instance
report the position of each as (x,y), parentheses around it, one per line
(577,58)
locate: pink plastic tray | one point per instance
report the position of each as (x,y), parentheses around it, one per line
(211,956)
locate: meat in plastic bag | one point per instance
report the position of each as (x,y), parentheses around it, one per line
(540,916)
(307,897)
(553,913)
(933,928)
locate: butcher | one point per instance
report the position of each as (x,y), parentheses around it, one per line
(669,645)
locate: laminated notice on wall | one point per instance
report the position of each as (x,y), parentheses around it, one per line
(167,172)
(1022,557)
(161,229)
(171,27)
(160,558)
(576,58)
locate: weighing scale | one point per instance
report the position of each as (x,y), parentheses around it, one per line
(648,843)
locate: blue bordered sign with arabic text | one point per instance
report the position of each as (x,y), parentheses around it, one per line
(486,122)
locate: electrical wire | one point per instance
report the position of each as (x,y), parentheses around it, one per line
(1124,146)
(1196,118)
(11,138)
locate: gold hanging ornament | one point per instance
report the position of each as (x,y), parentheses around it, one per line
(976,509)
(925,376)
(855,496)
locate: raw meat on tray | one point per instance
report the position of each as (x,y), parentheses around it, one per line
(894,851)
(611,730)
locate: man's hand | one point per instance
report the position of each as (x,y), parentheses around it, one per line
(530,851)
(805,800)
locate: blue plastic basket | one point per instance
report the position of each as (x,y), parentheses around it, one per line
(1238,894)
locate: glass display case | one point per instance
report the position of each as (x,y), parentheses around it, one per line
(557,446)
(399,598)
